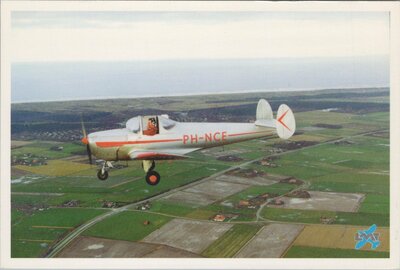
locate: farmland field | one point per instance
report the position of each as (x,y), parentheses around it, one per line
(122,226)
(338,237)
(338,161)
(230,243)
(33,235)
(55,168)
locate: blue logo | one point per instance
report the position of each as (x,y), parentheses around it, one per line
(367,236)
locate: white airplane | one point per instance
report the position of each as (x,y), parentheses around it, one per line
(150,138)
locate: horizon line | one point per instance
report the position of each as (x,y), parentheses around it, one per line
(202,94)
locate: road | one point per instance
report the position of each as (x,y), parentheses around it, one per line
(75,233)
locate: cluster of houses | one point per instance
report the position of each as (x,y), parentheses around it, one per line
(60,136)
(29,159)
(223,217)
(144,206)
(255,202)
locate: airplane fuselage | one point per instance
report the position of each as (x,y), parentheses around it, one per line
(117,144)
(150,138)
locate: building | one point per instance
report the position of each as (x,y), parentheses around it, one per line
(219,218)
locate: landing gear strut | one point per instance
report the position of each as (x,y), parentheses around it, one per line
(152,177)
(102,174)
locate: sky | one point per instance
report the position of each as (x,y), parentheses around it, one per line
(83,55)
(132,35)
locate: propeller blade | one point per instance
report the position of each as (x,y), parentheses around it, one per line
(89,152)
(86,141)
(83,127)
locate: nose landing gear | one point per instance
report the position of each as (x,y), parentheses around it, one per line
(102,174)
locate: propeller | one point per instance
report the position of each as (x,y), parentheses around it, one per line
(89,154)
(86,141)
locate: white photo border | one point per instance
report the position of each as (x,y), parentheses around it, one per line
(140,263)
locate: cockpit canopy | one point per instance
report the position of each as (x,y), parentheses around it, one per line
(133,124)
(150,124)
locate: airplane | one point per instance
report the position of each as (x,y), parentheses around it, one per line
(157,137)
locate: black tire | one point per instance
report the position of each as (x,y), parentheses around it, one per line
(102,176)
(153,178)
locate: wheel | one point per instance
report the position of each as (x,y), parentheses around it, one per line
(153,178)
(102,176)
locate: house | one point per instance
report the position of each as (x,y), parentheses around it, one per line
(219,218)
(244,203)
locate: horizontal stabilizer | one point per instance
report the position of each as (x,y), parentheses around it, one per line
(265,123)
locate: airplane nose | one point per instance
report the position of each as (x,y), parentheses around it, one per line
(85,140)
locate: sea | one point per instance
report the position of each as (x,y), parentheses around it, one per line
(55,81)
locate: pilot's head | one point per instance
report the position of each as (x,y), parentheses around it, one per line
(152,121)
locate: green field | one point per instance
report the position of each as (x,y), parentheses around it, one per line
(44,149)
(317,252)
(122,187)
(127,225)
(171,208)
(379,204)
(231,242)
(33,235)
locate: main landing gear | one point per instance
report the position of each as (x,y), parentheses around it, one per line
(152,177)
(102,174)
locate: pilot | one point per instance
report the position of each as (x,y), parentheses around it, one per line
(152,128)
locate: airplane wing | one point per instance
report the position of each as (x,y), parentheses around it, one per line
(166,154)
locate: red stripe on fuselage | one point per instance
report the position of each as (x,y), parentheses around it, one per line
(116,144)
(121,143)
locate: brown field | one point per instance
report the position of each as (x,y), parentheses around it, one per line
(15,144)
(338,236)
(330,201)
(16,173)
(217,189)
(218,152)
(271,241)
(92,247)
(263,181)
(206,193)
(190,235)
(55,168)
(190,198)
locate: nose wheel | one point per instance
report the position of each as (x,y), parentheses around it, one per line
(153,178)
(102,174)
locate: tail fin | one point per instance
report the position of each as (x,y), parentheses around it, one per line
(264,116)
(264,111)
(285,122)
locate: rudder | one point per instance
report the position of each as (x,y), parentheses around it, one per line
(285,122)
